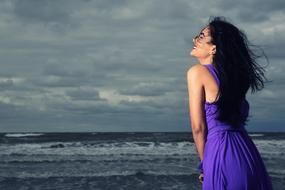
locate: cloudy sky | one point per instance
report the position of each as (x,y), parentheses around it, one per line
(120,65)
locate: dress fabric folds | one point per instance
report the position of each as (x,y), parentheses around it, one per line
(231,160)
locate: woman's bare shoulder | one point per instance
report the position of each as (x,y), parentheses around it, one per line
(196,69)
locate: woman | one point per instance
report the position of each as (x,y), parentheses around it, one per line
(217,88)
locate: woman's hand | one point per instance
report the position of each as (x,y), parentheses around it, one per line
(201,177)
(200,168)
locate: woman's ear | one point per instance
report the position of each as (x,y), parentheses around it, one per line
(213,49)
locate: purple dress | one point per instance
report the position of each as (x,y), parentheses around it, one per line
(231,160)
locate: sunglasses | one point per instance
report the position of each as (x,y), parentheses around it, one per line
(201,37)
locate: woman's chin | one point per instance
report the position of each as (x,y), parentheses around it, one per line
(192,53)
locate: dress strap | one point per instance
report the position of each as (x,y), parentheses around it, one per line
(213,70)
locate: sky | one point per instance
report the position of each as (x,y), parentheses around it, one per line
(120,65)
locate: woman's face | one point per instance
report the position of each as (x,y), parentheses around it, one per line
(203,48)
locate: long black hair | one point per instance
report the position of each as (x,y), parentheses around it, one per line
(236,63)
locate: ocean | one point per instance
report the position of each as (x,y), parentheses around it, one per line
(115,161)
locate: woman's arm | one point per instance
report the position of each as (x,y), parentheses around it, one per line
(196,107)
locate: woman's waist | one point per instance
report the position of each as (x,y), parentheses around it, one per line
(216,130)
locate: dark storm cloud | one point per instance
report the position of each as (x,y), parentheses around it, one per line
(103,108)
(42,11)
(144,90)
(273,44)
(61,70)
(67,80)
(168,9)
(83,94)
(150,88)
(6,83)
(109,4)
(261,5)
(119,65)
